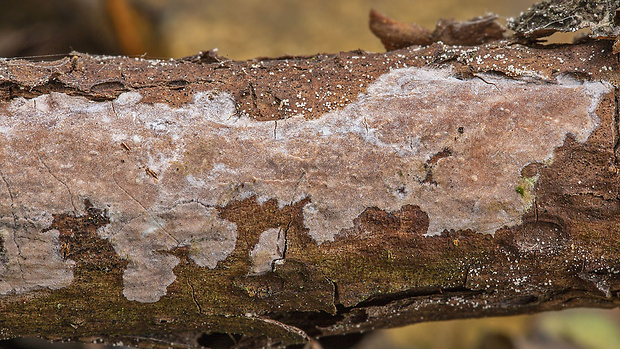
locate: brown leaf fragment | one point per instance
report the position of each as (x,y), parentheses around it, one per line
(616,47)
(395,35)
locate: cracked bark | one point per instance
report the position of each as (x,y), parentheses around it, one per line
(381,270)
(75,210)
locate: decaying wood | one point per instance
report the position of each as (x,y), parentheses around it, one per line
(395,35)
(600,19)
(548,17)
(280,200)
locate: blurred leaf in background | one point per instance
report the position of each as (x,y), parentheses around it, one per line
(585,328)
(47,27)
(241,29)
(568,329)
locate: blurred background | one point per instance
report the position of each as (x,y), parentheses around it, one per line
(243,29)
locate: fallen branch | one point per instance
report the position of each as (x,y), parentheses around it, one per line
(286,199)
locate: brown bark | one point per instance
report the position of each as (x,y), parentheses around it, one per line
(355,191)
(395,35)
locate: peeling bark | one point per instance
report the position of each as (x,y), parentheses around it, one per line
(284,199)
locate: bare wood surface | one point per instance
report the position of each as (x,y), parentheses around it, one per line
(282,199)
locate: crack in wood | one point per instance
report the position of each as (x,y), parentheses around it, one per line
(15,227)
(145,210)
(75,210)
(194,296)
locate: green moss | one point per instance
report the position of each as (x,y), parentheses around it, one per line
(361,273)
(521,191)
(216,300)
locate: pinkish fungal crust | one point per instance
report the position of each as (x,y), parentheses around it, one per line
(161,172)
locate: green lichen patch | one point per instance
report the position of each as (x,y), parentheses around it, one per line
(525,189)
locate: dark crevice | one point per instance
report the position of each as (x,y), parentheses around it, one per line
(307,321)
(524,300)
(12,90)
(383,300)
(312,322)
(285,237)
(336,294)
(290,222)
(177,84)
(465,278)
(194,296)
(486,82)
(217,340)
(109,87)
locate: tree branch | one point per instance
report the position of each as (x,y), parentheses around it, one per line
(421,184)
